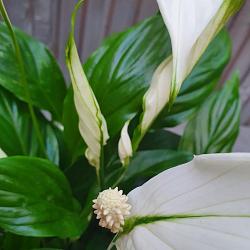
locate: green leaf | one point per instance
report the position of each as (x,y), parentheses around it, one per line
(159,139)
(215,127)
(47,249)
(75,146)
(81,177)
(18,136)
(14,242)
(152,162)
(45,81)
(36,199)
(199,84)
(98,240)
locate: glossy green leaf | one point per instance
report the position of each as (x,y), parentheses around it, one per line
(18,136)
(215,127)
(199,84)
(152,162)
(159,139)
(75,146)
(36,199)
(45,81)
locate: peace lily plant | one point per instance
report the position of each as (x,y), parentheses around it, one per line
(97,144)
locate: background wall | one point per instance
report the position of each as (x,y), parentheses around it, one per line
(48,20)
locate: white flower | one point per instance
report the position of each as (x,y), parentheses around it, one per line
(192,24)
(111,208)
(204,204)
(124,146)
(92,124)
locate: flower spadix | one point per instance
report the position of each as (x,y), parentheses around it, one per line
(111,208)
(92,124)
(203,204)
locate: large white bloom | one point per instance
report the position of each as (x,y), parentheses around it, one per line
(204,204)
(92,124)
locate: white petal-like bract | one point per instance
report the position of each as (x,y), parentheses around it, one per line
(158,94)
(192,25)
(203,204)
(125,146)
(92,124)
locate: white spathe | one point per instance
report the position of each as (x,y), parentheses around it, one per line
(210,193)
(158,94)
(92,124)
(186,22)
(125,146)
(192,24)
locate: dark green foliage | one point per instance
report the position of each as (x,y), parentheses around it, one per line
(215,127)
(17,135)
(45,81)
(36,199)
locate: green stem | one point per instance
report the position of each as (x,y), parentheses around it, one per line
(101,171)
(23,76)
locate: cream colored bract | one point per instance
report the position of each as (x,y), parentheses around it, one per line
(92,124)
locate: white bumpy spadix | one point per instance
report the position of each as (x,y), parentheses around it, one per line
(192,24)
(204,204)
(92,124)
